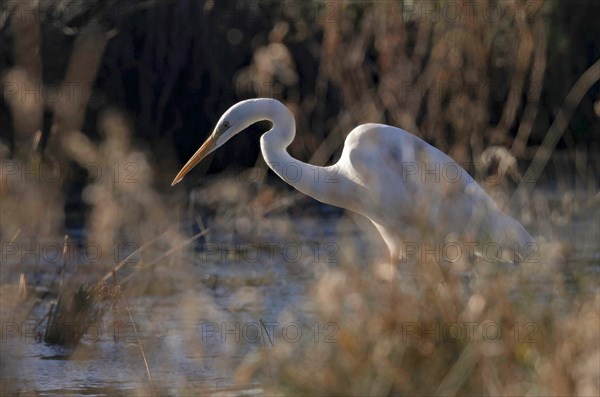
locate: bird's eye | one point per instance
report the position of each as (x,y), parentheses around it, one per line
(226,125)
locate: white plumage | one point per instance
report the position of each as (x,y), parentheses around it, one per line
(411,191)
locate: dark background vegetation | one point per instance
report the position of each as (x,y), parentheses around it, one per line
(175,66)
(465,76)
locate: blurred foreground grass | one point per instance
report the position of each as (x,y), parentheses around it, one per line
(430,326)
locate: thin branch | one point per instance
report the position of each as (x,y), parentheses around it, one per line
(166,254)
(535,91)
(583,84)
(139,342)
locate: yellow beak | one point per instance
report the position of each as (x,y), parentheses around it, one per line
(207,147)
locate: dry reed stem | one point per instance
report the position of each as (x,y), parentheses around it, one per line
(574,97)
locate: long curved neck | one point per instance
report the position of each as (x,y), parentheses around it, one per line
(320,183)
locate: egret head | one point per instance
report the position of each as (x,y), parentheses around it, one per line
(233,121)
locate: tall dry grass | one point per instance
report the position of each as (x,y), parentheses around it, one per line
(494,332)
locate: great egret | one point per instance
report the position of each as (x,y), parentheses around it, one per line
(410,190)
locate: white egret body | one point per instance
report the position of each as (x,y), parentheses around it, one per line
(410,190)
